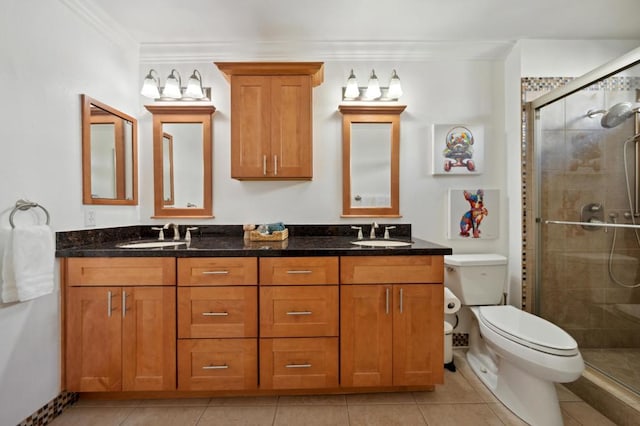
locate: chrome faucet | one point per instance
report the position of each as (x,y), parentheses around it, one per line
(372,234)
(176,230)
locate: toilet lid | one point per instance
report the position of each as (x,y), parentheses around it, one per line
(528,330)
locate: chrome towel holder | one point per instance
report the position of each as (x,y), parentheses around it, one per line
(26,205)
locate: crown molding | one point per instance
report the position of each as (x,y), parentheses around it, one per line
(173,53)
(102,22)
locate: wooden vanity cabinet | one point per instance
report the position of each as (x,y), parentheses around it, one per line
(391,321)
(299,322)
(217,323)
(120,324)
(271,118)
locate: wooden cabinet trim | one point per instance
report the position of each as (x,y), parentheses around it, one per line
(121,271)
(213,271)
(299,270)
(391,269)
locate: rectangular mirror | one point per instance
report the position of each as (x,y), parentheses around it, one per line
(182,160)
(370,160)
(109,155)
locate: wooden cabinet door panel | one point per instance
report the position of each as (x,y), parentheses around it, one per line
(217,312)
(391,269)
(299,363)
(93,339)
(298,270)
(299,311)
(417,335)
(291,131)
(366,335)
(217,364)
(149,338)
(250,126)
(223,271)
(121,271)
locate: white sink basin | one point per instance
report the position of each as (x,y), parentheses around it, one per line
(152,244)
(382,243)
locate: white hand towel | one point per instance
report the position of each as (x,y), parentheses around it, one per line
(33,261)
(9,289)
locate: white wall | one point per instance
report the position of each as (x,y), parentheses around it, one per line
(435,92)
(49,57)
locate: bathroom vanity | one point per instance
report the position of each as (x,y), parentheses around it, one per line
(314,313)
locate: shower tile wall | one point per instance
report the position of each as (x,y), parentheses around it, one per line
(582,163)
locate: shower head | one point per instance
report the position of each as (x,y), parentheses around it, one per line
(618,114)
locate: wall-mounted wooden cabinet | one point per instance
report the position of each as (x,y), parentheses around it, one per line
(271,118)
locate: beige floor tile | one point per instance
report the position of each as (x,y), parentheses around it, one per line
(164,416)
(584,414)
(229,415)
(505,415)
(94,416)
(385,415)
(459,414)
(456,389)
(173,402)
(312,400)
(311,415)
(244,400)
(381,398)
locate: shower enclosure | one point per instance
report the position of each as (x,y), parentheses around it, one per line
(582,214)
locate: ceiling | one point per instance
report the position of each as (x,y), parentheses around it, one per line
(159,25)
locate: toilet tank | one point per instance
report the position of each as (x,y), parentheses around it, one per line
(476,279)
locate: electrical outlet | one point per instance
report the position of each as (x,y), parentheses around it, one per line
(89,217)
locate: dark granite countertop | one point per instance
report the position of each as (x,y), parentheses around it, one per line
(227,241)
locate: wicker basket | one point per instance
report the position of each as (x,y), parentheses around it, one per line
(274,236)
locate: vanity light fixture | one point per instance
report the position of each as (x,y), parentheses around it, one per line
(194,86)
(373,88)
(151,85)
(172,88)
(373,92)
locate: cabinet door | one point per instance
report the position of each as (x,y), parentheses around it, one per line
(250,127)
(93,339)
(417,334)
(366,326)
(149,338)
(291,132)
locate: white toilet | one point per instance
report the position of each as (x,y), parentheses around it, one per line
(517,355)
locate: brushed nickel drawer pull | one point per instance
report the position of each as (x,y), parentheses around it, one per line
(299,313)
(215,314)
(386,303)
(109,296)
(275,165)
(215,367)
(124,303)
(215,272)
(298,366)
(264,165)
(300,271)
(401,301)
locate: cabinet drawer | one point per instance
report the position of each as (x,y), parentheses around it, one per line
(303,363)
(299,311)
(126,271)
(218,271)
(217,311)
(217,364)
(298,270)
(391,269)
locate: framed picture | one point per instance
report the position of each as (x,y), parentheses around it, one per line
(473,214)
(458,149)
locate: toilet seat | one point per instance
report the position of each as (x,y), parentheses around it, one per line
(528,330)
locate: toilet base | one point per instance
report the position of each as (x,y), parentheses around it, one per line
(533,400)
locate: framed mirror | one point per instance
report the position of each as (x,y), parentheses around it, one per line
(371,160)
(182,160)
(109,155)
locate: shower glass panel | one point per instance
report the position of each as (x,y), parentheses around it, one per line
(586,207)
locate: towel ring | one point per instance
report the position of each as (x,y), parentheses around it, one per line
(26,205)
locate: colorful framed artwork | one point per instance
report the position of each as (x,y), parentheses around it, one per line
(473,214)
(458,149)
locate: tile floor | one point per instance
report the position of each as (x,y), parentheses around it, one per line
(462,400)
